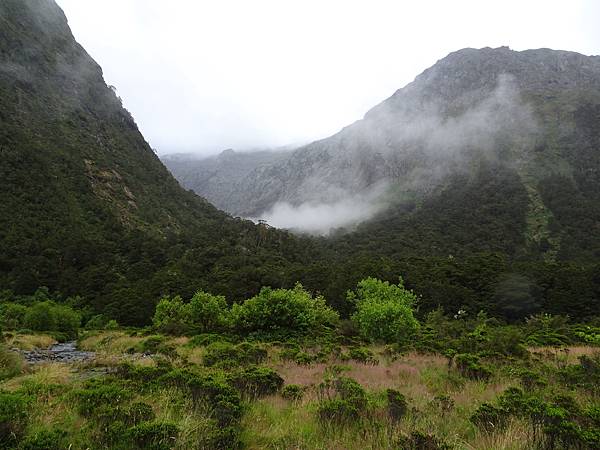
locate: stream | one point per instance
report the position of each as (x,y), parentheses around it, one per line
(65,352)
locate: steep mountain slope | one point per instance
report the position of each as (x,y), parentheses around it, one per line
(510,139)
(217,177)
(86,207)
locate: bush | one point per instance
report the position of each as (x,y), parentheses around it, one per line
(171,316)
(342,399)
(204,313)
(361,354)
(421,441)
(44,440)
(13,417)
(12,316)
(212,390)
(257,381)
(293,392)
(207,313)
(226,354)
(490,418)
(98,394)
(283,311)
(384,311)
(48,316)
(397,404)
(469,366)
(154,436)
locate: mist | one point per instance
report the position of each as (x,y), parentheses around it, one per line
(408,145)
(324,218)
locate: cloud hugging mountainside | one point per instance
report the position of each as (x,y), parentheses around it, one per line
(531,113)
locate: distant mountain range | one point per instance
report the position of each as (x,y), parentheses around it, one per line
(523,125)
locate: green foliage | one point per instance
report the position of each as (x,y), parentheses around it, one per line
(208,313)
(38,312)
(361,354)
(384,311)
(293,392)
(397,404)
(44,439)
(342,399)
(225,354)
(418,440)
(257,381)
(283,311)
(98,394)
(154,436)
(470,366)
(490,418)
(14,415)
(204,313)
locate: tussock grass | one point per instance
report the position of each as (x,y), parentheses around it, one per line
(30,341)
(110,343)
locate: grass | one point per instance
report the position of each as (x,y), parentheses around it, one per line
(440,401)
(30,342)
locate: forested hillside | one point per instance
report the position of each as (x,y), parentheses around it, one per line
(86,207)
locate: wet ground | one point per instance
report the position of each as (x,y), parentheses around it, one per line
(64,352)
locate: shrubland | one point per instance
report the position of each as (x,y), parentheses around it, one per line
(282,370)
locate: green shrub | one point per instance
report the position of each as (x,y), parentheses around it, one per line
(384,311)
(150,344)
(51,317)
(397,404)
(444,403)
(171,316)
(44,440)
(213,390)
(342,399)
(139,412)
(14,413)
(257,381)
(283,311)
(154,436)
(207,313)
(12,316)
(361,354)
(417,440)
(226,354)
(293,392)
(100,393)
(469,366)
(204,313)
(490,418)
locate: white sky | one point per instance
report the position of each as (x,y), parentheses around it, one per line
(207,75)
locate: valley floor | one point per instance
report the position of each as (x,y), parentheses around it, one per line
(140,391)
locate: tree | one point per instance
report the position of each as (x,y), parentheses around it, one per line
(384,311)
(283,310)
(207,312)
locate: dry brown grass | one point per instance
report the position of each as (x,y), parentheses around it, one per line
(563,355)
(113,342)
(30,341)
(44,374)
(517,436)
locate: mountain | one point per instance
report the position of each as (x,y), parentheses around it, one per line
(489,149)
(216,177)
(86,207)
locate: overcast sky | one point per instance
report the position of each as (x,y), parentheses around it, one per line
(208,75)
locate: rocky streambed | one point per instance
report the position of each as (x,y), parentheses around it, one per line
(65,352)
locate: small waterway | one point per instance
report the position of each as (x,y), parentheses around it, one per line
(65,352)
